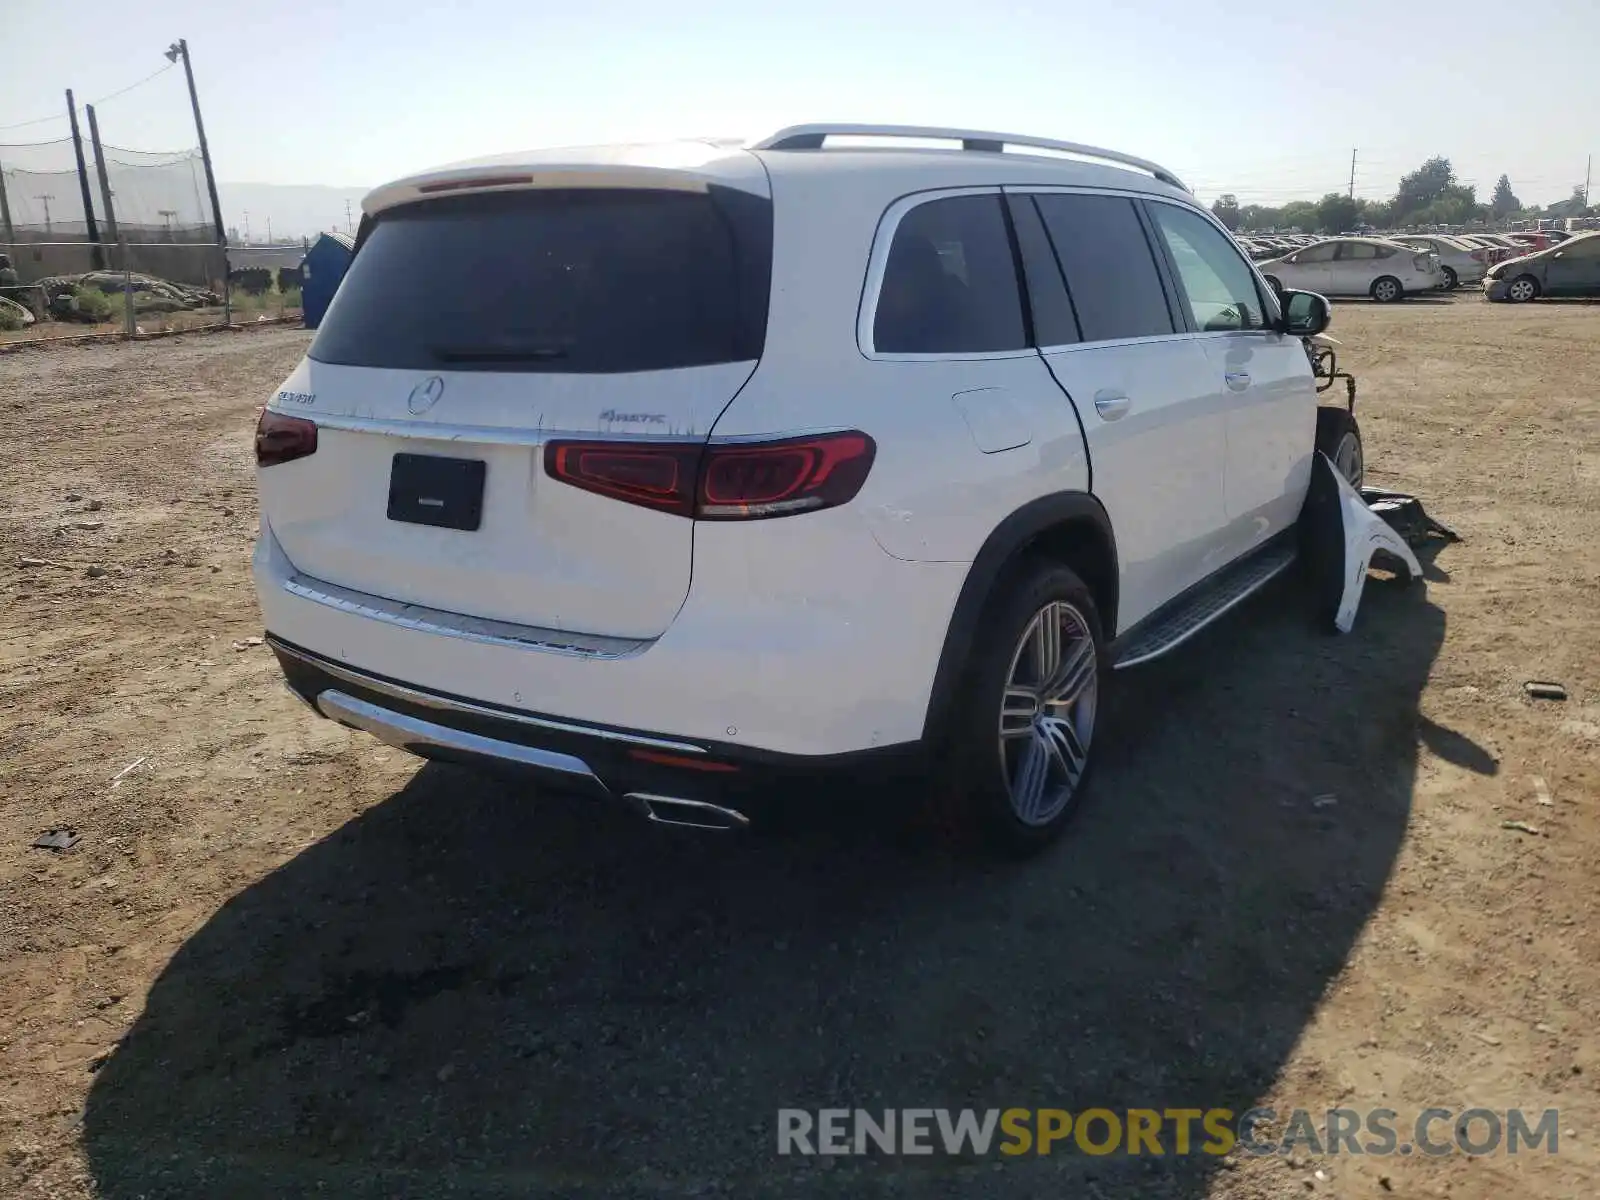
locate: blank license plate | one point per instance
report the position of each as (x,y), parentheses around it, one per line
(425,489)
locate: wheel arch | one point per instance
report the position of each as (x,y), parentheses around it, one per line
(1067,527)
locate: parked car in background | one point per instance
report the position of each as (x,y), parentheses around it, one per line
(1570,269)
(1387,271)
(1459,261)
(1499,248)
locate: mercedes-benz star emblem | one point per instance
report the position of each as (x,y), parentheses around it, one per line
(425,395)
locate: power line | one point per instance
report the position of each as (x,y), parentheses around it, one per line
(102,100)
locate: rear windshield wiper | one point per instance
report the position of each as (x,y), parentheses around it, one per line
(491,353)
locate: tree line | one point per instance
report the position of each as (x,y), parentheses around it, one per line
(1430,195)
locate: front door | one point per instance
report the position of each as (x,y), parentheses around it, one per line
(1574,270)
(1262,378)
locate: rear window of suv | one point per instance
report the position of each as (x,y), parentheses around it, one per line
(578,281)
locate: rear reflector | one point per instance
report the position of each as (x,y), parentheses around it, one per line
(720,482)
(681,760)
(281,439)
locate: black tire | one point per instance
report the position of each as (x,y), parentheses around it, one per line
(1385,294)
(1339,437)
(976,782)
(1518,294)
(1451,279)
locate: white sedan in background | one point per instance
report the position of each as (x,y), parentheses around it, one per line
(1386,271)
(1459,262)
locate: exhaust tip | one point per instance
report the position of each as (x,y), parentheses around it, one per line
(689,814)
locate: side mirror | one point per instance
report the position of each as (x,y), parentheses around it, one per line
(1293,258)
(1305,314)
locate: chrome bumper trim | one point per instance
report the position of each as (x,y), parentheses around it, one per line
(445,704)
(426,739)
(456,625)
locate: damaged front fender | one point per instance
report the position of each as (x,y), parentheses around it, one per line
(1340,534)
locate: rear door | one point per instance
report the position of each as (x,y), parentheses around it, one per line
(1261,377)
(1156,431)
(472,329)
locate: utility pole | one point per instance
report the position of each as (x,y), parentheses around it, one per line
(269,231)
(97,254)
(7,234)
(45,200)
(347,216)
(1588,174)
(1352,174)
(180,49)
(247,227)
(105,180)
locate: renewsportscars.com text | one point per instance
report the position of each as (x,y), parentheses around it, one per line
(1432,1132)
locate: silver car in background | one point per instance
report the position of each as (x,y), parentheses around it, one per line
(1459,261)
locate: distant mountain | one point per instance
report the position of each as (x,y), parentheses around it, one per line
(294,209)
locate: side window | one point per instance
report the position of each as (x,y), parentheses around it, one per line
(1318,254)
(1218,287)
(1109,267)
(1586,248)
(950,285)
(1349,251)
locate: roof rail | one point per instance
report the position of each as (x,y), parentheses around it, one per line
(812,137)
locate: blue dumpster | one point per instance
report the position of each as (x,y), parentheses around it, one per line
(321,270)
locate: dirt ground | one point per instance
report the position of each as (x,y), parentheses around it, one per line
(284,960)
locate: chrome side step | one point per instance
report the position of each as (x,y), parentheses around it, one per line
(1217,595)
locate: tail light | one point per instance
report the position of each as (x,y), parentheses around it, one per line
(738,481)
(281,439)
(1480,255)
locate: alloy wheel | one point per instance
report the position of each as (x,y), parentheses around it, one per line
(1047,713)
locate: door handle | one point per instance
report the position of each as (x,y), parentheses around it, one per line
(1111,406)
(1238,380)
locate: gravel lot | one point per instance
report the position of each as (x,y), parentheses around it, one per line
(284,960)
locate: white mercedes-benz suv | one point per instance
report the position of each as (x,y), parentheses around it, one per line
(663,472)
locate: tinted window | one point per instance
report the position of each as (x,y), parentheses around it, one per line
(572,281)
(1053,321)
(1218,287)
(950,285)
(1318,254)
(1351,251)
(1110,271)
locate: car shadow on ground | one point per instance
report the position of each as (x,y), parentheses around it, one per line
(476,992)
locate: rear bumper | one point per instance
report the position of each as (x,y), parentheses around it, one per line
(798,651)
(649,773)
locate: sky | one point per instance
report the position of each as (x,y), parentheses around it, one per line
(1265,101)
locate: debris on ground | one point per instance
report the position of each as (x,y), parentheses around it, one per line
(95,571)
(56,839)
(1521,827)
(1406,516)
(246,643)
(1541,791)
(95,505)
(1541,689)
(119,776)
